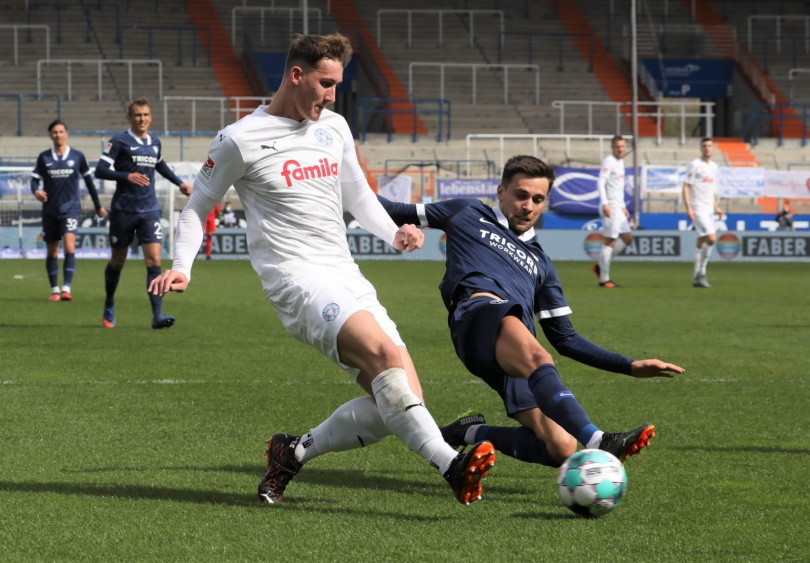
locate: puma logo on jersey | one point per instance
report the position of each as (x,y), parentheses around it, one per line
(293,170)
(273,146)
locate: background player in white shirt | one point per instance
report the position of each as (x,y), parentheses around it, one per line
(700,198)
(293,165)
(612,209)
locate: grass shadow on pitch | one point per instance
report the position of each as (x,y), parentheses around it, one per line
(196,496)
(431,486)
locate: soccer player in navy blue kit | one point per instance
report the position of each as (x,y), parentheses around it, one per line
(497,278)
(55,182)
(136,156)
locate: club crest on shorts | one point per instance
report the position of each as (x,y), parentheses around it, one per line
(330,312)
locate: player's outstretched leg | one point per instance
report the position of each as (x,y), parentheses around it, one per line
(455,432)
(281,467)
(468,470)
(626,444)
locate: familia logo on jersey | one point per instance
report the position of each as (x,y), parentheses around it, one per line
(293,170)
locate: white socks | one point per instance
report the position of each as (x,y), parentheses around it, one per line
(407,418)
(363,421)
(702,256)
(604,263)
(355,424)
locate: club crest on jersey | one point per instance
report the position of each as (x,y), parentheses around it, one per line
(330,312)
(208,168)
(323,136)
(154,148)
(71,163)
(293,170)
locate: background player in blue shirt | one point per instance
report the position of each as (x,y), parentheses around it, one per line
(55,182)
(497,278)
(136,156)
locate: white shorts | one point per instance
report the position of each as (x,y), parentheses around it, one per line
(314,302)
(704,222)
(616,224)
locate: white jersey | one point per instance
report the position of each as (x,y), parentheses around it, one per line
(701,177)
(294,179)
(611,182)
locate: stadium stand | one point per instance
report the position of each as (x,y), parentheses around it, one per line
(557,37)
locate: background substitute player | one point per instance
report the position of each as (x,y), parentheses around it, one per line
(59,171)
(136,156)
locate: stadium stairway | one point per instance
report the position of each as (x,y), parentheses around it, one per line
(610,75)
(349,20)
(723,36)
(227,66)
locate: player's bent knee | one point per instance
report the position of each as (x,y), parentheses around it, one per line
(539,356)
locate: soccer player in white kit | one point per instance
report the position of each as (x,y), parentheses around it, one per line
(293,165)
(700,198)
(612,210)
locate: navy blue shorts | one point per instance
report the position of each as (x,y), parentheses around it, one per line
(473,329)
(55,226)
(124,225)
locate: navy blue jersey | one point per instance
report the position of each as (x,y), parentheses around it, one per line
(59,177)
(128,153)
(483,254)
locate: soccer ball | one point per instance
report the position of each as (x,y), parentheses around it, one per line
(592,483)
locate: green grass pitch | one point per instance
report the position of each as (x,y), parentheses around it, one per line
(142,445)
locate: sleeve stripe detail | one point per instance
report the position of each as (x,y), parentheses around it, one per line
(88,173)
(559,312)
(106,158)
(35,175)
(420,212)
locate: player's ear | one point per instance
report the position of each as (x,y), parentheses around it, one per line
(296,74)
(500,192)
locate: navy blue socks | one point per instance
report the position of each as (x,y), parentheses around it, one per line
(157,302)
(69,267)
(111,278)
(559,404)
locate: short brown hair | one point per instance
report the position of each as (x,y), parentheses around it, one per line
(530,166)
(706,139)
(138,102)
(56,122)
(307,50)
(615,138)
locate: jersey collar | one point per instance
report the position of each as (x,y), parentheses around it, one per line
(61,157)
(525,237)
(146,141)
